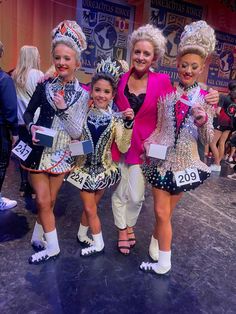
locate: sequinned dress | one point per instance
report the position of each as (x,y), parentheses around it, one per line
(102,128)
(68,123)
(176,130)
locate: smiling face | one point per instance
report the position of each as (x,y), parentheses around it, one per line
(102,93)
(142,56)
(64,59)
(190,66)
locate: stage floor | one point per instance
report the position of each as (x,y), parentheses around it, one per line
(202,279)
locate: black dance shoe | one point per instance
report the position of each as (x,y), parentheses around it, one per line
(85,241)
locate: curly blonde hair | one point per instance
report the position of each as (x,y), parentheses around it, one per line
(153,35)
(197,37)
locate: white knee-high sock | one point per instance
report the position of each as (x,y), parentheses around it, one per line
(52,242)
(154,249)
(82,232)
(37,233)
(98,241)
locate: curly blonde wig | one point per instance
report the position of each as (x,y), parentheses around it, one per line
(197,37)
(153,35)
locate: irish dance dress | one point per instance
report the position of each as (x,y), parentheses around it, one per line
(97,168)
(177,131)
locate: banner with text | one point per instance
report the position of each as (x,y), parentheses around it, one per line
(223,63)
(107,25)
(171,17)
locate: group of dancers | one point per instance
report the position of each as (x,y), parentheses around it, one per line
(151,114)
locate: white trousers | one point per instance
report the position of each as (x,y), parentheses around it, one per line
(128,197)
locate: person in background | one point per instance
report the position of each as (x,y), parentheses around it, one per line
(223,126)
(232,148)
(8,128)
(26,77)
(63,108)
(183,117)
(230,158)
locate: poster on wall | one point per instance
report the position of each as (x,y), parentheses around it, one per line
(107,26)
(171,17)
(222,68)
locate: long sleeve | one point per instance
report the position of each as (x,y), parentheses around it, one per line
(34,104)
(123,135)
(206,132)
(73,118)
(8,102)
(152,137)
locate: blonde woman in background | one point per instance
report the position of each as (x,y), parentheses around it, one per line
(26,77)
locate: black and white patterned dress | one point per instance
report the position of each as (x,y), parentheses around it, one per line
(68,123)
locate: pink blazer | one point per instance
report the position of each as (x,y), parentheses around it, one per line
(145,119)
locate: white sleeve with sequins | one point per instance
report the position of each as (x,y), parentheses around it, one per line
(206,131)
(73,118)
(152,138)
(122,136)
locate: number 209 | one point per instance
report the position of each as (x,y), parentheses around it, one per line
(187,177)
